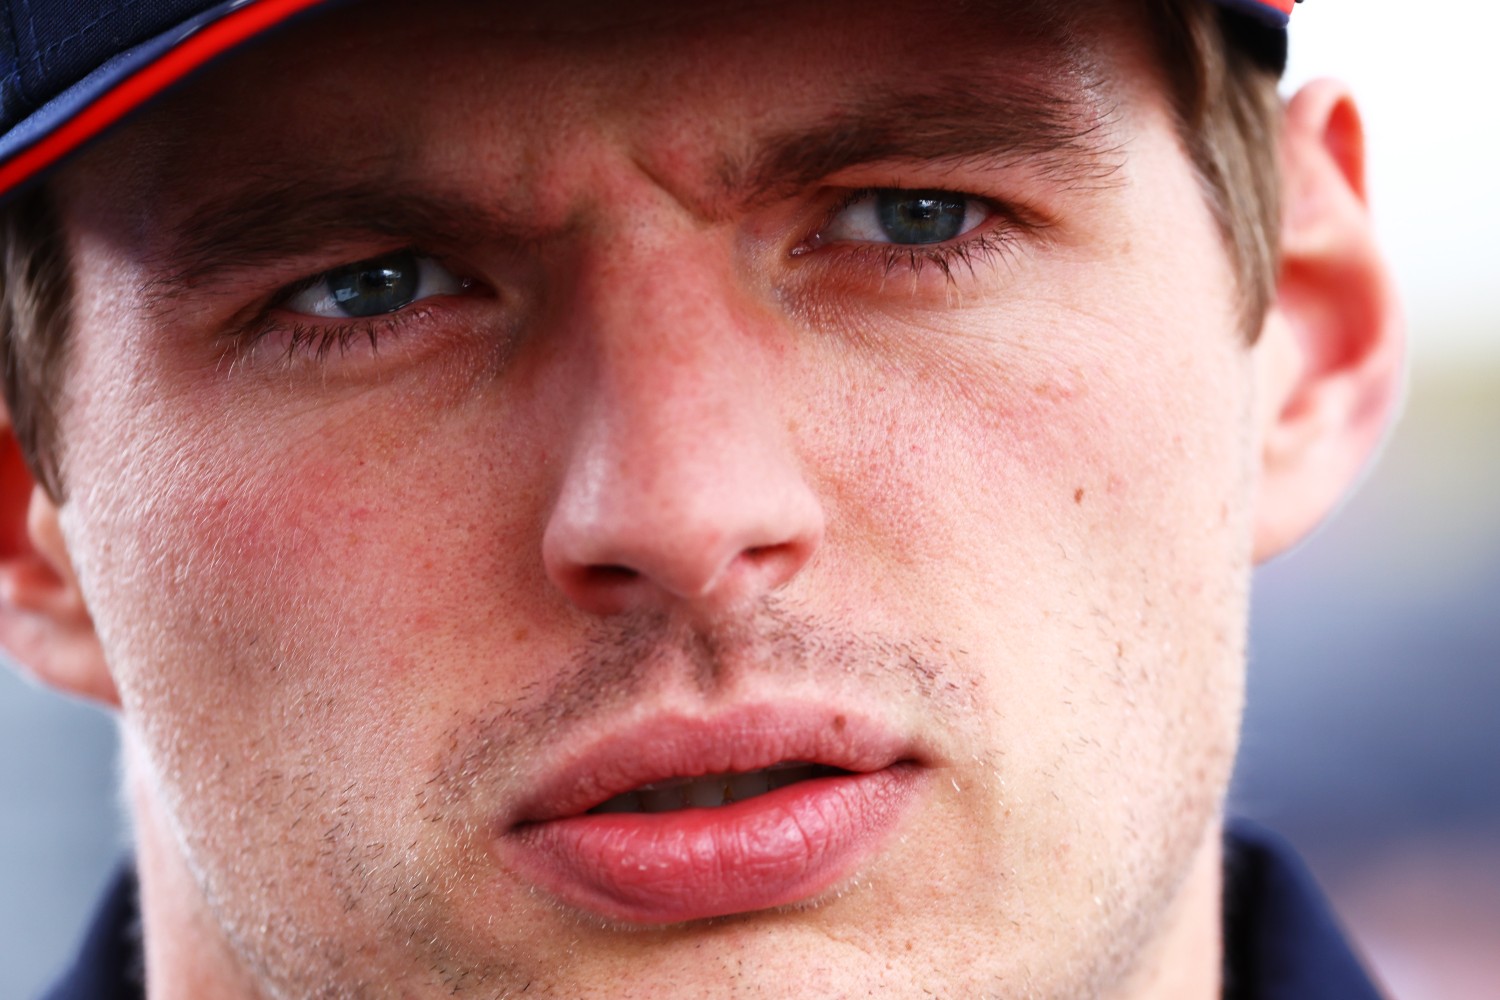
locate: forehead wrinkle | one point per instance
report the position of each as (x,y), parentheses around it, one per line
(1035,87)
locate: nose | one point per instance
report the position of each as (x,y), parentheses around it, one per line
(682,486)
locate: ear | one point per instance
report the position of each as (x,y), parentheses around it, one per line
(44,626)
(1329,358)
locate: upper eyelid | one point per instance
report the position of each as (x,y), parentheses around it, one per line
(1013,211)
(858,194)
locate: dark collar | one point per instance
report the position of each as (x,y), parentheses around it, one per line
(109,964)
(1281,941)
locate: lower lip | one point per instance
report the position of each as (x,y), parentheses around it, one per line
(784,847)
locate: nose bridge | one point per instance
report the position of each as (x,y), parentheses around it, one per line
(677,358)
(683,484)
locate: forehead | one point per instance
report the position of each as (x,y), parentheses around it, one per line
(370,88)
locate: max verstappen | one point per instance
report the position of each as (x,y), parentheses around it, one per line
(670,499)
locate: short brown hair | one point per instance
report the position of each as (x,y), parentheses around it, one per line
(1228,116)
(1229,121)
(36,300)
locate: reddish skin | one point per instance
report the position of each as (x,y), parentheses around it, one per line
(357,609)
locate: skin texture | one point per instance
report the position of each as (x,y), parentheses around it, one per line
(669,452)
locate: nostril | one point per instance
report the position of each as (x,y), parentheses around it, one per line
(608,575)
(725,549)
(771,557)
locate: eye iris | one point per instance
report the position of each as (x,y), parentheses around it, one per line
(373,287)
(922,216)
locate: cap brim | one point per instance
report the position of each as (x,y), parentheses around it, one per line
(91,106)
(122,84)
(1271,13)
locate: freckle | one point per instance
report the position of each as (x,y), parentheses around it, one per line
(1078,495)
(520,634)
(839,722)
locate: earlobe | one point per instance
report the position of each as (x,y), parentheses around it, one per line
(44,626)
(1329,360)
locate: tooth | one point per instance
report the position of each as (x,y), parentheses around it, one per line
(706,793)
(748,786)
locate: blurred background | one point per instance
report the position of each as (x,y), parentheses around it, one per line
(1372,739)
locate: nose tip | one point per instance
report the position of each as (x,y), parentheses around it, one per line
(683,486)
(707,550)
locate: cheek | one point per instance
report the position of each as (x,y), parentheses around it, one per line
(1073,516)
(1054,459)
(312,590)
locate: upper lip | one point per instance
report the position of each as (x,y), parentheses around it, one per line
(746,738)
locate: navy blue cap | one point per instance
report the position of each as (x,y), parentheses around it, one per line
(69,69)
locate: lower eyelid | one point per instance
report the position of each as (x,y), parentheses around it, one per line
(873,266)
(293,338)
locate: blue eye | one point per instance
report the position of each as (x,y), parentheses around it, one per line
(373,287)
(906,218)
(920,218)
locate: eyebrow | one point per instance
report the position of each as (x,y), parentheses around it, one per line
(265,220)
(1069,139)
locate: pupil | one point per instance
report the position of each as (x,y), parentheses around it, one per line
(921,216)
(373,287)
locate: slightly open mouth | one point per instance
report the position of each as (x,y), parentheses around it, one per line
(711,791)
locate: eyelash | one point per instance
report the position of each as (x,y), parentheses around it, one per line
(986,248)
(318,342)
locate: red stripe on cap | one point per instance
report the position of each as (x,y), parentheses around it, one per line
(1285,6)
(130,93)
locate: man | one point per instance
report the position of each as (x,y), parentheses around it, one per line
(681,500)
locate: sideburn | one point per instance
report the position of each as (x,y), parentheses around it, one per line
(36,307)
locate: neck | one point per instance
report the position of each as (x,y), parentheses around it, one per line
(1185,959)
(187,956)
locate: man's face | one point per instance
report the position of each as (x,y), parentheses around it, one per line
(841,386)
